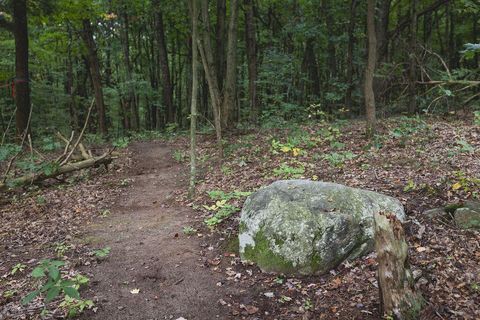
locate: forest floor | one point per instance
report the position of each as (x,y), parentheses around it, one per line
(165,263)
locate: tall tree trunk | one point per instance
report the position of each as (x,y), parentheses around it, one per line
(350,48)
(412,74)
(129,97)
(94,64)
(220,41)
(331,50)
(251,42)
(475,38)
(193,106)
(370,70)
(69,84)
(208,62)
(230,90)
(22,79)
(382,35)
(310,67)
(382,29)
(165,71)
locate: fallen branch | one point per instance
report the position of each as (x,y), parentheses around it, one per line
(80,136)
(36,177)
(83,151)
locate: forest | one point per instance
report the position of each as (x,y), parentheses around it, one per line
(239,159)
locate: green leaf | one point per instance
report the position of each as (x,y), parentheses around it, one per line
(52,294)
(71,292)
(53,273)
(38,272)
(47,286)
(57,263)
(29,297)
(67,283)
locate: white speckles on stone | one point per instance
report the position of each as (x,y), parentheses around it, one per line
(245,239)
(313,226)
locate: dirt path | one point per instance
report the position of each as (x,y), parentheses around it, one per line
(146,253)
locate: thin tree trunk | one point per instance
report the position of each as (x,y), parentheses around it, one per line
(350,48)
(412,104)
(220,41)
(164,68)
(193,106)
(382,30)
(370,70)
(129,98)
(251,42)
(310,68)
(206,54)
(230,90)
(69,85)
(22,79)
(94,65)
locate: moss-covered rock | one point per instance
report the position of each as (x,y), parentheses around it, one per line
(466,218)
(307,227)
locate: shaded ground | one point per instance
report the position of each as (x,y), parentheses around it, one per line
(149,251)
(155,271)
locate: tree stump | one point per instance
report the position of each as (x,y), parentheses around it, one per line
(397,291)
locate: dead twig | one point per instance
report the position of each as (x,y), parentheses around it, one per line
(81,134)
(24,136)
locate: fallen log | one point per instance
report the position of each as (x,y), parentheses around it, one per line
(36,177)
(399,299)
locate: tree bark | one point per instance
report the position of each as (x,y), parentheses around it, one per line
(22,78)
(370,70)
(193,106)
(67,168)
(165,71)
(310,68)
(208,62)
(230,90)
(350,48)
(220,41)
(129,97)
(395,281)
(94,65)
(412,75)
(69,84)
(382,30)
(251,42)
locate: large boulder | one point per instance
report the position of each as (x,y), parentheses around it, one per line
(308,227)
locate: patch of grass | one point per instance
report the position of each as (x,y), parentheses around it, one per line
(338,159)
(189,230)
(19,267)
(285,171)
(102,253)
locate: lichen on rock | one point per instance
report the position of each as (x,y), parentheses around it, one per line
(307,227)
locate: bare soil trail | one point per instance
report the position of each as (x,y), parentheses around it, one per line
(149,252)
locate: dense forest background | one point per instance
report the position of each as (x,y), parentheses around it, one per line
(274,62)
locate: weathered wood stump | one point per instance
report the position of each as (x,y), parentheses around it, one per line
(399,298)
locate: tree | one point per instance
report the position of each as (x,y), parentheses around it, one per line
(412,75)
(21,83)
(193,106)
(164,65)
(351,44)
(370,69)
(251,43)
(230,90)
(94,64)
